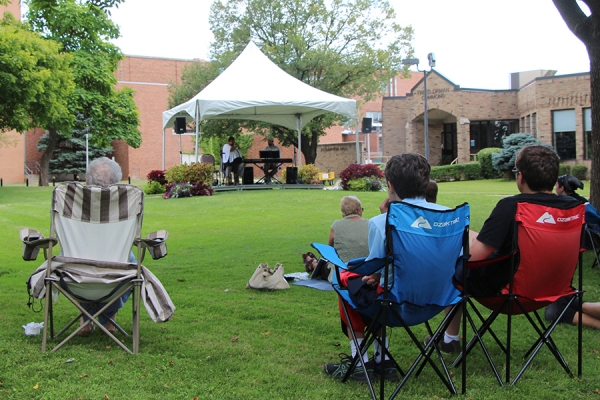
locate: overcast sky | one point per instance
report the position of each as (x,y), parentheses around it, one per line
(477,43)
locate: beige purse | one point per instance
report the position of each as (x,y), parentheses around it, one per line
(267,278)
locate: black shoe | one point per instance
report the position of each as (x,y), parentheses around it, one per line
(338,371)
(451,348)
(387,371)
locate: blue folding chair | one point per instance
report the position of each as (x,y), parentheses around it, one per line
(424,247)
(592,228)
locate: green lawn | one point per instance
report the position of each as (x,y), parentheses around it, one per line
(228,342)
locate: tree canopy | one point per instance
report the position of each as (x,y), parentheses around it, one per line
(83,29)
(587,29)
(349,48)
(35,79)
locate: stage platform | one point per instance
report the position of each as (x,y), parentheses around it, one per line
(262,186)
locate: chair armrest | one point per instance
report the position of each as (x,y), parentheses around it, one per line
(156,244)
(33,241)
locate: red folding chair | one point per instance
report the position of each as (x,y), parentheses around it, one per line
(547,250)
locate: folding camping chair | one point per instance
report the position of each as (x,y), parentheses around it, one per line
(547,249)
(96,228)
(423,248)
(592,228)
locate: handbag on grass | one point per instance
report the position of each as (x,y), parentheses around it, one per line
(267,278)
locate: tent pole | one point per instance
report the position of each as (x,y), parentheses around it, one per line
(163,150)
(357,143)
(298,124)
(196,147)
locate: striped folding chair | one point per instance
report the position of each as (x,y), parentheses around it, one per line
(96,228)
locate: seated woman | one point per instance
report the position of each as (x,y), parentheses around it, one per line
(349,236)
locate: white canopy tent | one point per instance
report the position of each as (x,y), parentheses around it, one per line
(253,87)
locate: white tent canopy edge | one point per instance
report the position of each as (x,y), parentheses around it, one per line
(255,88)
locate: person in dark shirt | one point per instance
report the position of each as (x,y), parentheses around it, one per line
(536,172)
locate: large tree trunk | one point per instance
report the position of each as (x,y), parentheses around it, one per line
(587,29)
(309,148)
(53,139)
(594,52)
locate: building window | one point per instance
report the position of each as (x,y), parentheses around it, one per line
(375,116)
(563,132)
(587,129)
(528,124)
(534,125)
(485,134)
(522,127)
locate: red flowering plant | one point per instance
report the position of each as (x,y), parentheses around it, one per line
(370,173)
(157,175)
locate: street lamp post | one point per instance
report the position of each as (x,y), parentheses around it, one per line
(87,163)
(415,61)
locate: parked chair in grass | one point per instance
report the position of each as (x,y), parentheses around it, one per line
(546,251)
(423,248)
(96,228)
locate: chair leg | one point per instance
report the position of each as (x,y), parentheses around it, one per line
(47,310)
(136,317)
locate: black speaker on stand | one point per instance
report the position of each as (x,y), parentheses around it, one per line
(248,178)
(367,125)
(180,125)
(291,175)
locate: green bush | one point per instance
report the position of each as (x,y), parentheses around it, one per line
(485,161)
(579,171)
(504,161)
(564,169)
(456,172)
(199,172)
(309,174)
(176,173)
(358,185)
(195,172)
(471,171)
(154,187)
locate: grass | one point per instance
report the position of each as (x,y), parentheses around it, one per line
(228,342)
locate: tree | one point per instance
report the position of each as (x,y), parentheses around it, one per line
(587,29)
(84,29)
(504,160)
(70,154)
(349,48)
(35,79)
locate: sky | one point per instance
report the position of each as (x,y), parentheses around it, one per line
(477,43)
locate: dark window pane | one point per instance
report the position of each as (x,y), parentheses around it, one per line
(564,143)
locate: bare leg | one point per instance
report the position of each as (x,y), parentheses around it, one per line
(587,321)
(454,327)
(591,309)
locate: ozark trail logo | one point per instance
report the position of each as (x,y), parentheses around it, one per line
(421,223)
(546,218)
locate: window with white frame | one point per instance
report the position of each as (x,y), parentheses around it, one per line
(563,133)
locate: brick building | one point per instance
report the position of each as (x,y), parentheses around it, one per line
(556,109)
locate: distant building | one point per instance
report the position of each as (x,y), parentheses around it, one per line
(553,108)
(556,109)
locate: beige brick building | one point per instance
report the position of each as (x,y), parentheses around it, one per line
(555,109)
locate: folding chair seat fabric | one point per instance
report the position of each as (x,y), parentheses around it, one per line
(96,228)
(546,253)
(424,246)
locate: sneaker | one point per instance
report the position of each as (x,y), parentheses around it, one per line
(387,371)
(338,371)
(451,348)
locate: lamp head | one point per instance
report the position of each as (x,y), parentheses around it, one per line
(410,61)
(431,59)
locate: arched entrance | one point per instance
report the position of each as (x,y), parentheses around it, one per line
(443,142)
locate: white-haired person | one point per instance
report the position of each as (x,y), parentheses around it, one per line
(104,172)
